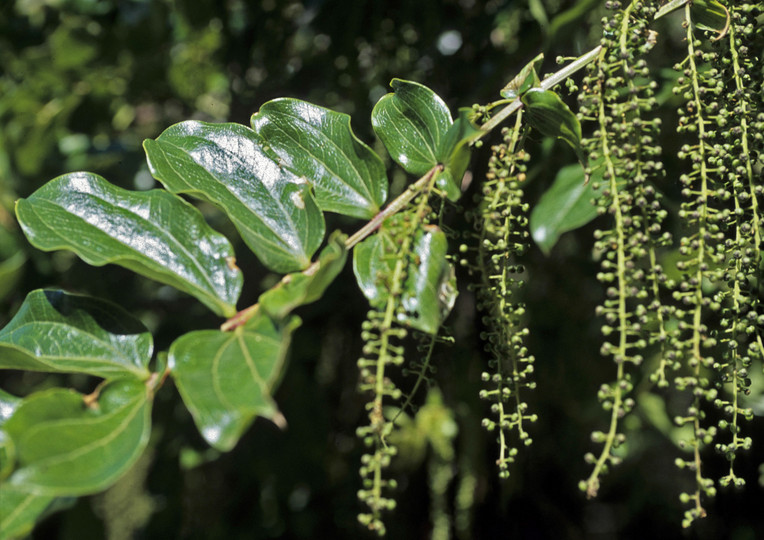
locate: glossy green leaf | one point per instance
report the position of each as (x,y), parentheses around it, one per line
(226,379)
(429,290)
(412,123)
(55,331)
(298,289)
(67,448)
(565,206)
(7,455)
(454,153)
(152,233)
(19,511)
(373,263)
(318,144)
(547,113)
(273,209)
(449,183)
(523,81)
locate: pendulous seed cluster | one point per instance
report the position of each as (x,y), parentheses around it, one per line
(618,98)
(721,266)
(501,230)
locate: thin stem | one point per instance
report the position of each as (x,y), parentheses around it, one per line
(391,209)
(421,377)
(549,82)
(701,264)
(592,482)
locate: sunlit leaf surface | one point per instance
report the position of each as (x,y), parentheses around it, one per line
(152,233)
(411,122)
(319,145)
(273,209)
(226,379)
(55,331)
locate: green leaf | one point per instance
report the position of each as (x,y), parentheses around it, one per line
(373,263)
(67,448)
(54,331)
(706,14)
(710,15)
(523,81)
(7,455)
(225,164)
(412,122)
(8,404)
(455,152)
(318,144)
(449,182)
(549,114)
(226,379)
(152,233)
(298,289)
(429,291)
(430,288)
(668,7)
(19,511)
(565,206)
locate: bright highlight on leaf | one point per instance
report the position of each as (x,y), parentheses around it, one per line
(8,404)
(318,144)
(152,233)
(273,209)
(226,379)
(65,448)
(416,127)
(57,332)
(411,122)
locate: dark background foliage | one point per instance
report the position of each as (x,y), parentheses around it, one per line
(83,82)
